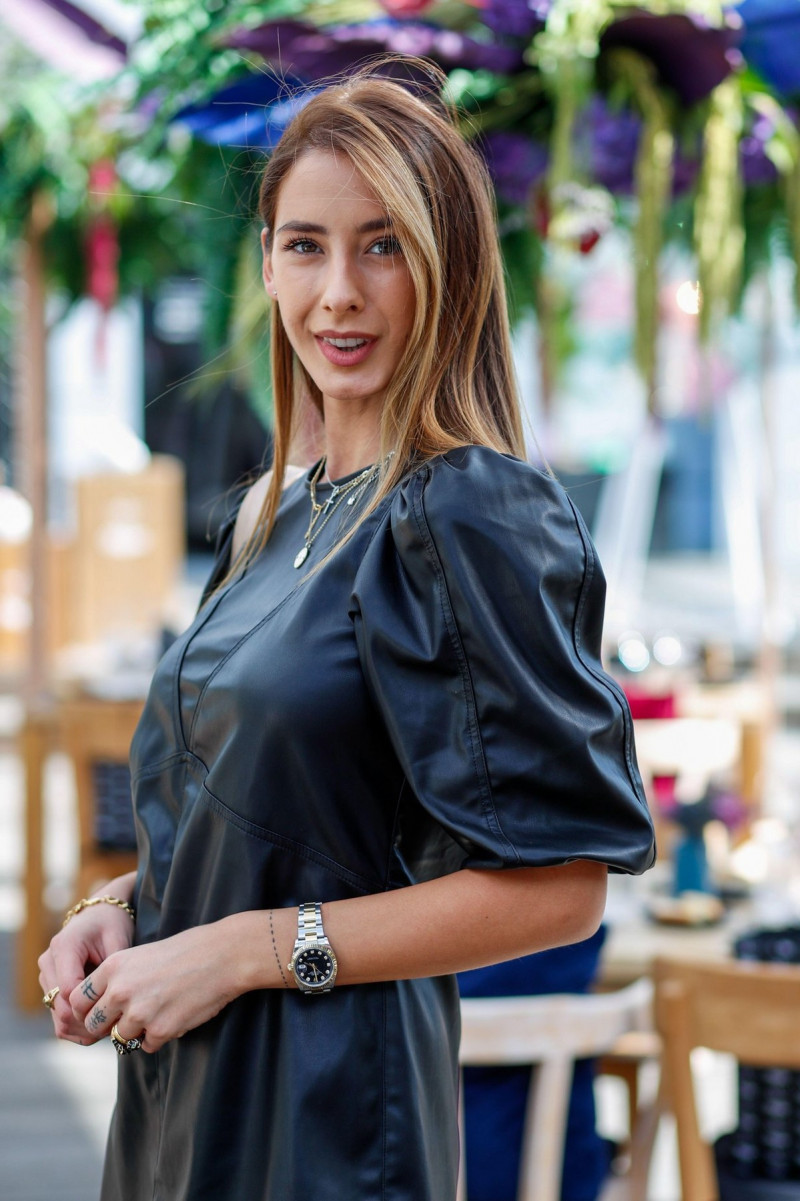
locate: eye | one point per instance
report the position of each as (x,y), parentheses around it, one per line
(386,245)
(301,246)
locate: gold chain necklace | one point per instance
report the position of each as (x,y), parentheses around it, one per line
(322,513)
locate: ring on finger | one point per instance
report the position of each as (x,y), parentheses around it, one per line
(124,1046)
(49,997)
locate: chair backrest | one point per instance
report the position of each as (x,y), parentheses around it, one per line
(749,1010)
(96,735)
(549,1033)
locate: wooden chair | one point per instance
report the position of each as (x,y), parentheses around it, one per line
(550,1033)
(749,1010)
(96,735)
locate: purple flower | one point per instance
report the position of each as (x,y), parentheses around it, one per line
(690,56)
(754,163)
(515,18)
(516,163)
(300,48)
(608,140)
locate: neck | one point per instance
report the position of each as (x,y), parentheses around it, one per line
(352,441)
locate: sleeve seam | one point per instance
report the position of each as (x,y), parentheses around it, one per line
(473,725)
(600,677)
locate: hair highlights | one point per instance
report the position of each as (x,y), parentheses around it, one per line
(454,385)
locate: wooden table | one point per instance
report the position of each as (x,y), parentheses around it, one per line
(633,941)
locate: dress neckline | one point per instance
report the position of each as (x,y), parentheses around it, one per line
(324,485)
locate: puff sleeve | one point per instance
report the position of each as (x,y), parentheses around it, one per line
(478,612)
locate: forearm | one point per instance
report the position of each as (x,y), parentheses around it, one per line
(121,887)
(462,921)
(470,918)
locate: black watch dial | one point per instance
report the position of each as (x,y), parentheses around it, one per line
(314,967)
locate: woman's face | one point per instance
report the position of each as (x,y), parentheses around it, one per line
(344,289)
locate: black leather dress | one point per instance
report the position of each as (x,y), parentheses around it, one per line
(431,699)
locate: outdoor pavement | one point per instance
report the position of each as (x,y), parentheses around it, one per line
(55,1103)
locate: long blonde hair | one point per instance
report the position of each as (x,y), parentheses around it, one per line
(454,385)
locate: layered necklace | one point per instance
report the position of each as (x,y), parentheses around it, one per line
(349,492)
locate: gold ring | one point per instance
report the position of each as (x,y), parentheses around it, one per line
(49,997)
(124,1046)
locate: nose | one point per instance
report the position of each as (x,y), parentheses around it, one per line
(342,290)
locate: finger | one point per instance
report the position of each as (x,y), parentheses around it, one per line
(47,971)
(86,994)
(48,980)
(49,995)
(99,1020)
(70,969)
(119,1038)
(67,1027)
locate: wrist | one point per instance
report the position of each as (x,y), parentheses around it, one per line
(120,886)
(97,900)
(255,952)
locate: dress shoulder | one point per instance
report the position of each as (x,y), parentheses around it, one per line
(499,504)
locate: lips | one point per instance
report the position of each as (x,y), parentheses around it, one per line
(346,343)
(345,349)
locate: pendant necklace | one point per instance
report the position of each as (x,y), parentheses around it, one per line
(349,492)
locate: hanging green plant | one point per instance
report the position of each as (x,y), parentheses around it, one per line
(718,223)
(783,150)
(565,52)
(653,182)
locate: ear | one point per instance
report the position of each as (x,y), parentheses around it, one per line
(266,264)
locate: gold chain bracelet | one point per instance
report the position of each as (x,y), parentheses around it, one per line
(87,902)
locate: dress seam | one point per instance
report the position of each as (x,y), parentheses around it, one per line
(388,869)
(233,650)
(600,677)
(245,637)
(160,765)
(473,725)
(281,840)
(207,611)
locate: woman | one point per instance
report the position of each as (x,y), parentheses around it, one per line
(392,691)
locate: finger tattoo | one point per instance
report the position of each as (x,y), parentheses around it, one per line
(88,990)
(98,1018)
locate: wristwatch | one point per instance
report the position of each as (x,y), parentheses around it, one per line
(313,961)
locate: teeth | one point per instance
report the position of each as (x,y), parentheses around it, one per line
(346,343)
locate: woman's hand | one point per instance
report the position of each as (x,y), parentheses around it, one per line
(85,942)
(159,990)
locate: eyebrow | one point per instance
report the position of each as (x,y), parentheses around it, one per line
(309,227)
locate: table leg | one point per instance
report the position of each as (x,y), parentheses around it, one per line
(35,931)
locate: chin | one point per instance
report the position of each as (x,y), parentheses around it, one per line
(350,393)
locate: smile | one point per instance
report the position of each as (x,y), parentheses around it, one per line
(346,343)
(345,351)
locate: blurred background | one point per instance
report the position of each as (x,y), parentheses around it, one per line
(646,161)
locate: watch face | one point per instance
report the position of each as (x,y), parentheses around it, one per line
(314,967)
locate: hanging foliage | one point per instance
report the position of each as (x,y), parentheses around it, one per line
(718,227)
(576,104)
(653,181)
